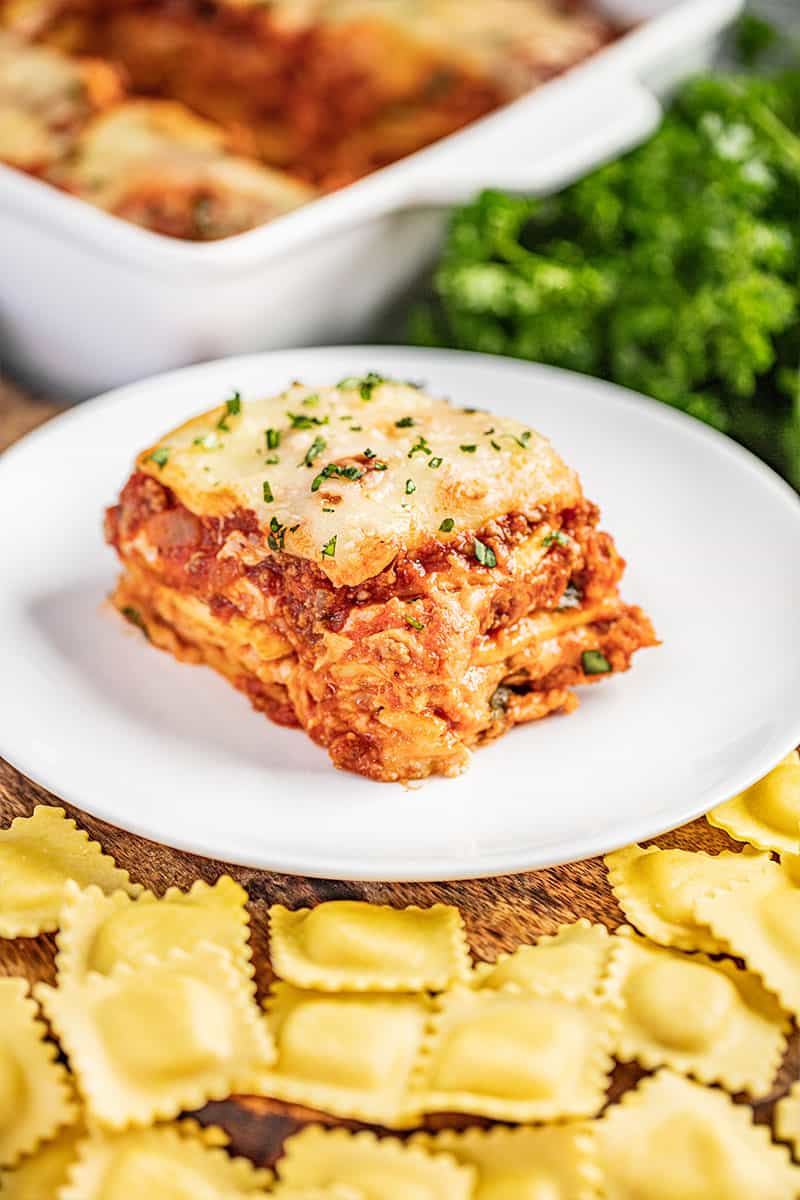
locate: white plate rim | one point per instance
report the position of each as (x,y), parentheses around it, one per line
(486,865)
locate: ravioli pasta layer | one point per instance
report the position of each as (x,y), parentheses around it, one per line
(349,1054)
(708,1019)
(98,932)
(348,945)
(38,856)
(573,962)
(146,1044)
(658,890)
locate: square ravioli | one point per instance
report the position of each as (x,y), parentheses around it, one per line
(548,1162)
(766,815)
(709,1019)
(146,1043)
(658,889)
(672,1139)
(760,923)
(383,1169)
(38,855)
(349,945)
(349,1054)
(163,1162)
(573,961)
(41,1175)
(402,578)
(515,1056)
(35,1095)
(98,932)
(787,1118)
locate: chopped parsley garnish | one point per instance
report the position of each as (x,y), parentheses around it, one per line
(484,554)
(329,549)
(333,469)
(133,616)
(468,449)
(273,437)
(487,432)
(364,384)
(405,423)
(356,428)
(294,528)
(571,599)
(495,445)
(413,622)
(209,441)
(420,447)
(311,401)
(233,407)
(447,525)
(556,536)
(313,452)
(160,456)
(301,421)
(434,463)
(277,532)
(410,486)
(595,663)
(267,490)
(270,462)
(369,453)
(522,440)
(329,510)
(380,466)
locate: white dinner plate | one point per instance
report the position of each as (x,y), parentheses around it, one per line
(171,751)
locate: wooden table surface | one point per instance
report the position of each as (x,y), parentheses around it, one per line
(499,913)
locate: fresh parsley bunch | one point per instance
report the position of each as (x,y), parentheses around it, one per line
(674,270)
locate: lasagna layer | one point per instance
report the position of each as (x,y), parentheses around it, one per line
(340,599)
(327,89)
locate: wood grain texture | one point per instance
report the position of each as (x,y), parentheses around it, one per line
(500,913)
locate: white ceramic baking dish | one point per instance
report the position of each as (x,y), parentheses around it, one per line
(88,301)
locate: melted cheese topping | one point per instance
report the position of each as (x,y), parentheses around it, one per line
(399,496)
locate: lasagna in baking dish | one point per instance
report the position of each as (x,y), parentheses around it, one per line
(323,90)
(402,578)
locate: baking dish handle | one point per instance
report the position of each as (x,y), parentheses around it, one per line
(553,149)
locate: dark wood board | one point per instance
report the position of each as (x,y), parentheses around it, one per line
(500,913)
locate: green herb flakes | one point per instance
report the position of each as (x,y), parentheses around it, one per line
(267,492)
(329,549)
(313,452)
(435,463)
(277,532)
(447,525)
(420,447)
(301,421)
(410,486)
(233,406)
(134,617)
(160,456)
(405,423)
(484,554)
(413,622)
(273,437)
(595,663)
(555,537)
(469,449)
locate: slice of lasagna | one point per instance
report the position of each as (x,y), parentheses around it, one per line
(402,578)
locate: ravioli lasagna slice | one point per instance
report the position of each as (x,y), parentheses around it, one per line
(402,578)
